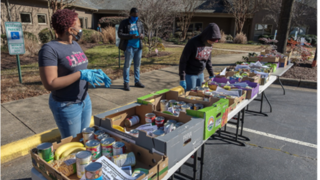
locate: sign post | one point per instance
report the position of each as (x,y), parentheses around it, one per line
(15,42)
(117,41)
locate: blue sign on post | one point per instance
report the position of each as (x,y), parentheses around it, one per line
(15,35)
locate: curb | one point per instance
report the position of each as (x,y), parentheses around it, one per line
(298,83)
(22,147)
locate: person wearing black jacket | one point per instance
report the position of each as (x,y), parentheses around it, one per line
(131,32)
(196,56)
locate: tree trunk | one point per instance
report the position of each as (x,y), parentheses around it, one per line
(8,10)
(284,24)
(50,25)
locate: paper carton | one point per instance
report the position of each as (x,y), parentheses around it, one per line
(155,163)
(175,145)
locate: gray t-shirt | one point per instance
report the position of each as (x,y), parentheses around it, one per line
(69,58)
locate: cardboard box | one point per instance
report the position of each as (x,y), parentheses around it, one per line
(155,163)
(264,59)
(224,103)
(175,145)
(251,92)
(288,54)
(283,62)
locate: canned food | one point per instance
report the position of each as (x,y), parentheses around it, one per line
(169,127)
(180,103)
(178,125)
(185,107)
(124,159)
(171,121)
(132,121)
(191,105)
(87,134)
(206,89)
(134,132)
(172,102)
(94,171)
(83,158)
(97,133)
(45,151)
(118,148)
(139,172)
(163,105)
(94,147)
(201,90)
(208,94)
(159,121)
(197,106)
(102,136)
(176,114)
(150,118)
(107,148)
(175,107)
(177,111)
(158,133)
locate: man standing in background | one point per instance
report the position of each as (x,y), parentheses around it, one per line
(131,32)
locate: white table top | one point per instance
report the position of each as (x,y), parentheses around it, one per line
(173,169)
(281,71)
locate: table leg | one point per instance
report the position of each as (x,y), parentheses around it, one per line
(238,120)
(261,105)
(202,160)
(268,102)
(284,91)
(242,121)
(195,165)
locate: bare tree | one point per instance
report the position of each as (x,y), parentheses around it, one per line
(186,9)
(241,10)
(53,6)
(304,12)
(157,17)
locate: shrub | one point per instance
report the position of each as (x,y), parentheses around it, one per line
(45,35)
(229,37)
(109,35)
(32,46)
(196,33)
(240,38)
(178,34)
(251,42)
(145,51)
(111,21)
(160,47)
(223,37)
(29,35)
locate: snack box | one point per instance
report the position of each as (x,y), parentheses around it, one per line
(175,145)
(155,163)
(264,59)
(250,92)
(210,114)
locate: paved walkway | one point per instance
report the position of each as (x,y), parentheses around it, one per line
(30,116)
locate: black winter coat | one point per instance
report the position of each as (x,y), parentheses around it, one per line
(124,33)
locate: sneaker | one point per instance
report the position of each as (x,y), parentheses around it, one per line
(126,87)
(138,84)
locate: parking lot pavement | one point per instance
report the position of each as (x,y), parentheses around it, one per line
(281,146)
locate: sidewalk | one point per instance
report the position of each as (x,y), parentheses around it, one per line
(27,117)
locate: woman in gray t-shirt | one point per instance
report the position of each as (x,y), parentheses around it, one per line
(63,71)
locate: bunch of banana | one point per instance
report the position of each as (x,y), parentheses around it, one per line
(68,148)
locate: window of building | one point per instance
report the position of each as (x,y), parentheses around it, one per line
(81,22)
(261,29)
(194,26)
(42,18)
(25,18)
(300,30)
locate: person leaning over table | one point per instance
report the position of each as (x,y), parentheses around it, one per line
(63,71)
(196,56)
(131,32)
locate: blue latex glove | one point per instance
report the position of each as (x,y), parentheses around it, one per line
(105,79)
(183,84)
(91,76)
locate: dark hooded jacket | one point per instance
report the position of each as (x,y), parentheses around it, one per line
(197,53)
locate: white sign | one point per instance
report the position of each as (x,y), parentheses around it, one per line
(15,38)
(117,37)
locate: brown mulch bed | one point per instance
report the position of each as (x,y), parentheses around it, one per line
(303,71)
(8,61)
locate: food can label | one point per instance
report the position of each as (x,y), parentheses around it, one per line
(94,175)
(150,120)
(124,160)
(107,151)
(81,165)
(118,150)
(47,154)
(95,151)
(134,120)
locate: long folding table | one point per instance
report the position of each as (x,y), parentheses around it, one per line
(238,112)
(279,72)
